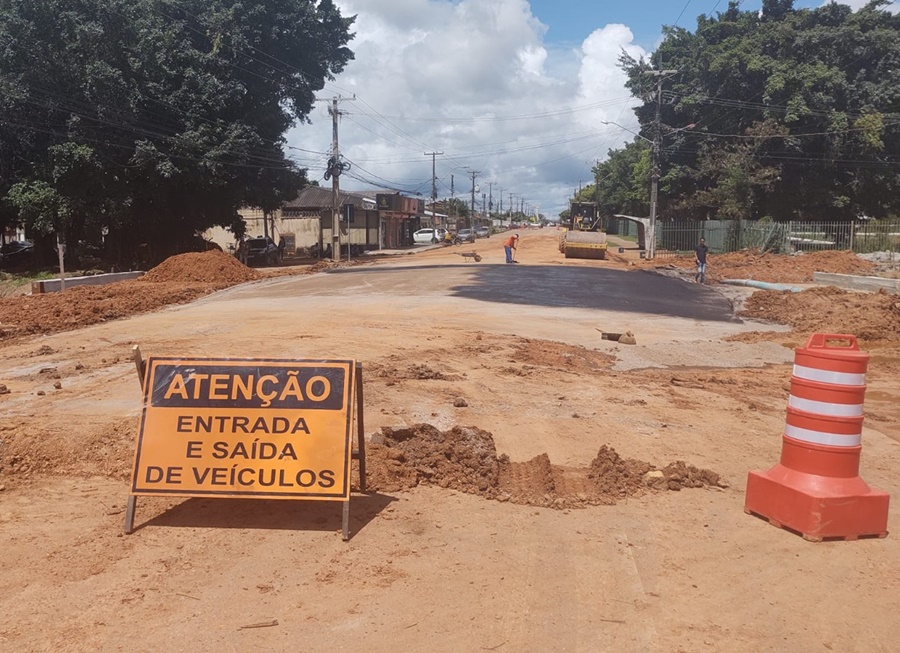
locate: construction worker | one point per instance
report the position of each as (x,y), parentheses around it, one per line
(509,246)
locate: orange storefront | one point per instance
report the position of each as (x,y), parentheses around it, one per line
(400,218)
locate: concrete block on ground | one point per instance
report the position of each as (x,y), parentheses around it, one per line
(853,282)
(54,285)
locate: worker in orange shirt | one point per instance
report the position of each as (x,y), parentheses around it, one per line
(510,246)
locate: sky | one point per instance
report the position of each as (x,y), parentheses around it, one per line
(514,93)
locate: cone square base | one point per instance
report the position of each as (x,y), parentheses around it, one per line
(817,507)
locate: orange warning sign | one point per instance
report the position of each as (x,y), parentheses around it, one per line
(237,428)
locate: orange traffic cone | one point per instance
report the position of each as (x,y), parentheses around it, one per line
(816,489)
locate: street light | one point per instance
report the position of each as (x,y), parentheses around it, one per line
(624,128)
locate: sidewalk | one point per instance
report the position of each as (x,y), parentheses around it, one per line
(399,251)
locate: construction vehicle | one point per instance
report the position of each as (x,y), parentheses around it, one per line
(582,236)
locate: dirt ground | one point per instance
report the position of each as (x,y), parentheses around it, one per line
(773,268)
(526,490)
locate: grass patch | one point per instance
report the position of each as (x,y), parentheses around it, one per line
(12,283)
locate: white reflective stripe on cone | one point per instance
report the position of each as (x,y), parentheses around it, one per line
(825,407)
(827,376)
(818,437)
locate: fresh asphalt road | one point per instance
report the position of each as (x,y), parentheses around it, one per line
(527,286)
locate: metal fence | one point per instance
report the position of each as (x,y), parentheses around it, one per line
(877,239)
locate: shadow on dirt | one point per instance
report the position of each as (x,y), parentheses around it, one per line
(271,514)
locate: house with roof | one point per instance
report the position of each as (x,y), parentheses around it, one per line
(369,220)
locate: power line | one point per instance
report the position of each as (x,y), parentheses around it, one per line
(682,13)
(709,15)
(526,116)
(374,133)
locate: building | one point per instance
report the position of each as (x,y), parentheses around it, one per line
(307,221)
(312,213)
(401,217)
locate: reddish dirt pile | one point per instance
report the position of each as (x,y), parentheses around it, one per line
(84,305)
(616,477)
(177,280)
(415,371)
(870,317)
(679,475)
(777,268)
(561,356)
(322,266)
(31,450)
(201,267)
(465,459)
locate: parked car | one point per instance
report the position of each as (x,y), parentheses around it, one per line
(431,235)
(260,251)
(466,235)
(16,251)
(482,232)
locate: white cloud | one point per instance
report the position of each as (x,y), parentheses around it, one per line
(475,80)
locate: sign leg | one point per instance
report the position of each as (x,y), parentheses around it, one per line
(346,521)
(129,514)
(139,363)
(141,367)
(361,429)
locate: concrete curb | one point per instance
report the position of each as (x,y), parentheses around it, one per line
(852,282)
(54,285)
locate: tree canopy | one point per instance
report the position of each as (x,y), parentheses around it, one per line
(787,113)
(148,121)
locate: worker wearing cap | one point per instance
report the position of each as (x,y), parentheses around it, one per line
(509,246)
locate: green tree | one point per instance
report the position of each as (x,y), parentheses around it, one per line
(622,181)
(152,120)
(792,110)
(733,179)
(457,208)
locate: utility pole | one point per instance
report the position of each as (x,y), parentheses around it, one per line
(491,200)
(336,188)
(510,208)
(335,168)
(484,204)
(434,220)
(473,173)
(452,198)
(654,172)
